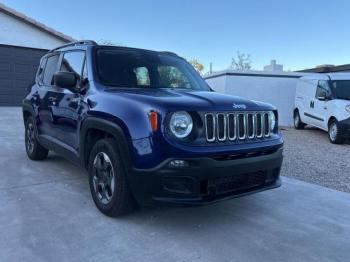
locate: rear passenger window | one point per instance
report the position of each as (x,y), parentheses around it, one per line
(50,69)
(39,75)
(73,62)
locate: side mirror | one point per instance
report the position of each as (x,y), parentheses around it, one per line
(322,96)
(67,80)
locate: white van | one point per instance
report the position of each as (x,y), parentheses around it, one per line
(323,101)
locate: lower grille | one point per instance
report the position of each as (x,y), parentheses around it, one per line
(234,183)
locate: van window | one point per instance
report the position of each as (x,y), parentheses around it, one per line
(341,89)
(50,69)
(323,87)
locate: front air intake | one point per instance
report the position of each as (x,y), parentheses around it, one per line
(237,126)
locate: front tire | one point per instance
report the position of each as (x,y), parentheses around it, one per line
(34,150)
(298,124)
(334,133)
(108,179)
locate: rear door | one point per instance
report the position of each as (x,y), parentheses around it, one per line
(46,96)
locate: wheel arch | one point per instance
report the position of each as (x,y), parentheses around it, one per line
(330,119)
(93,129)
(27,111)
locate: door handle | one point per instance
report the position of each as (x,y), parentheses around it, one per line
(312,104)
(53,100)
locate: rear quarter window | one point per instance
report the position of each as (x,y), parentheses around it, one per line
(50,69)
(40,71)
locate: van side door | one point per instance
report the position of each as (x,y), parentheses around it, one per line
(309,89)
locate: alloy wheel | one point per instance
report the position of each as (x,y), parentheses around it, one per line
(333,131)
(103,178)
(30,138)
(296,119)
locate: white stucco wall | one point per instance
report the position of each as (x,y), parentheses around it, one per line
(15,32)
(276,89)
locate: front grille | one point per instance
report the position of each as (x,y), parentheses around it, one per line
(234,183)
(237,126)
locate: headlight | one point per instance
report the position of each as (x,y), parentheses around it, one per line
(347,108)
(273,121)
(181,124)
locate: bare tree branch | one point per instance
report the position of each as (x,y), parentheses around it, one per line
(241,62)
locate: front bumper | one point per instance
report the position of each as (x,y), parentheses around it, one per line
(206,180)
(345,128)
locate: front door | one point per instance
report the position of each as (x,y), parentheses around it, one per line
(68,106)
(322,97)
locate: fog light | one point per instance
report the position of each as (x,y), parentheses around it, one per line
(178,163)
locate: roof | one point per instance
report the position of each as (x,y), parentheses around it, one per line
(34,23)
(339,76)
(328,69)
(254,73)
(327,76)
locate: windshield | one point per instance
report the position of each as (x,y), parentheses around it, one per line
(146,69)
(341,89)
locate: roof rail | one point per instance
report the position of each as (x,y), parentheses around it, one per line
(169,53)
(81,42)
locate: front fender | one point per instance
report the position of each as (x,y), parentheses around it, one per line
(107,126)
(124,145)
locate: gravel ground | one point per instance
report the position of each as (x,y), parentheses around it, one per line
(309,156)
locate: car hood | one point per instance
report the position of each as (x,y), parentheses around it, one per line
(181,99)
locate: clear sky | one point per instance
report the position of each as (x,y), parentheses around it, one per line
(298,34)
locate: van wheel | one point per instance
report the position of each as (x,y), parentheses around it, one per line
(108,179)
(334,133)
(34,150)
(297,121)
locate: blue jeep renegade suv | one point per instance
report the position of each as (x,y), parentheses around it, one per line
(148,129)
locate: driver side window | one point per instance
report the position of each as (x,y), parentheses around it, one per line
(323,89)
(73,62)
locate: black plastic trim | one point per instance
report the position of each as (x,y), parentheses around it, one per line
(252,74)
(314,117)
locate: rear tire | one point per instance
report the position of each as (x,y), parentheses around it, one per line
(34,150)
(298,124)
(334,133)
(108,179)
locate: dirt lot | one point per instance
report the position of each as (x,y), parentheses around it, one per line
(309,156)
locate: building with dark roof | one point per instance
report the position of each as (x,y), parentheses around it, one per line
(23,41)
